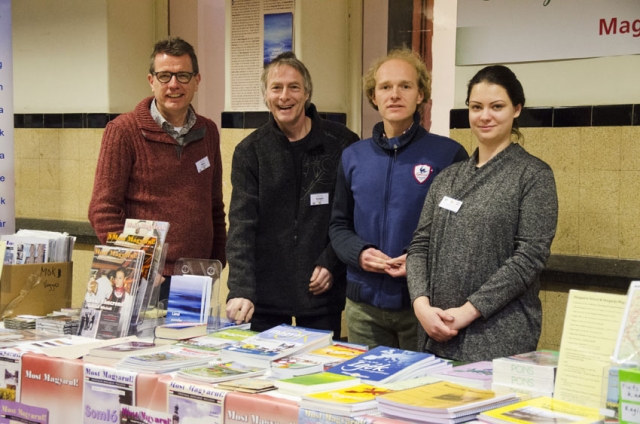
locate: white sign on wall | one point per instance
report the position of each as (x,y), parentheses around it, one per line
(508,31)
(7,183)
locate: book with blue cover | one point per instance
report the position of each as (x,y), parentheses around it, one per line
(189,298)
(386,365)
(275,343)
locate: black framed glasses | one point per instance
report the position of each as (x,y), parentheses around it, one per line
(182,77)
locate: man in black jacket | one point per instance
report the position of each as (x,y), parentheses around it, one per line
(281,263)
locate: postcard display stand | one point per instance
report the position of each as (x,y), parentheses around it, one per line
(207,267)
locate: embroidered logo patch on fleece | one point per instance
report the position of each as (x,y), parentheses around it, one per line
(422,173)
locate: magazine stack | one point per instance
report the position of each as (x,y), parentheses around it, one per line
(350,402)
(542,410)
(531,374)
(475,374)
(37,247)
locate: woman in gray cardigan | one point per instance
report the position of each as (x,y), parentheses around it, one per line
(484,236)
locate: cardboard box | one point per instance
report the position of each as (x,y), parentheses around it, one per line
(52,292)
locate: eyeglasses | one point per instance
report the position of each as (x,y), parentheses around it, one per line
(182,77)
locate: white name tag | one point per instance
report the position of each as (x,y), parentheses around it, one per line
(203,164)
(450,204)
(319,199)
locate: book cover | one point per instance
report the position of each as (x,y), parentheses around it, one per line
(335,354)
(540,384)
(350,401)
(165,361)
(105,390)
(384,364)
(43,376)
(196,403)
(16,412)
(248,385)
(120,350)
(294,365)
(475,374)
(537,364)
(111,288)
(315,383)
(10,362)
(275,343)
(219,371)
(188,301)
(242,408)
(627,344)
(542,410)
(443,398)
(135,415)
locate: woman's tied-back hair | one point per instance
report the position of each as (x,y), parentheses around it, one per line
(505,78)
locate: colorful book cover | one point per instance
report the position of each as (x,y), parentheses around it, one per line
(382,364)
(335,354)
(196,403)
(444,398)
(477,374)
(350,401)
(248,385)
(105,389)
(10,360)
(187,298)
(537,364)
(216,372)
(242,408)
(54,384)
(16,412)
(542,410)
(277,342)
(312,383)
(135,415)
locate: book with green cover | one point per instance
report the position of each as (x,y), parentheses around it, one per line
(313,383)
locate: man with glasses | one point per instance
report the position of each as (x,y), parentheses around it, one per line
(162,162)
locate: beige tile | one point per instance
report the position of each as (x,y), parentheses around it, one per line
(70,174)
(554,307)
(27,203)
(561,149)
(599,235)
(26,142)
(82,258)
(462,136)
(629,237)
(49,174)
(599,192)
(28,174)
(630,193)
(630,148)
(567,240)
(568,189)
(49,144)
(69,206)
(600,149)
(48,204)
(69,145)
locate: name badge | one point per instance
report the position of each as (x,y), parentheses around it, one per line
(319,199)
(203,164)
(450,204)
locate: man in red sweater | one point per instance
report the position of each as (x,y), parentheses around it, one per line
(162,162)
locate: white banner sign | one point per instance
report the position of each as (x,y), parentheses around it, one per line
(7,183)
(508,31)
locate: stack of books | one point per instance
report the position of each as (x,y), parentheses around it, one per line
(112,353)
(475,374)
(348,402)
(189,299)
(248,385)
(542,410)
(314,383)
(387,365)
(275,343)
(217,372)
(317,360)
(35,247)
(441,402)
(58,324)
(529,374)
(21,322)
(165,361)
(218,340)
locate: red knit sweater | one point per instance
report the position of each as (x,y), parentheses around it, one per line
(144,173)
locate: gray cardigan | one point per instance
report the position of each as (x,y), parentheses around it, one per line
(489,253)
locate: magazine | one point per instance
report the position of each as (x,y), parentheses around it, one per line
(105,389)
(113,282)
(196,403)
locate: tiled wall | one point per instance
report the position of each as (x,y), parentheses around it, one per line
(597,171)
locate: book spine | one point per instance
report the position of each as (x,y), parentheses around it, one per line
(523,369)
(544,385)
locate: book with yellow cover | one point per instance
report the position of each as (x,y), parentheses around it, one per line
(542,410)
(442,399)
(358,399)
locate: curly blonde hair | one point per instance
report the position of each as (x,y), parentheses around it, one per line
(412,58)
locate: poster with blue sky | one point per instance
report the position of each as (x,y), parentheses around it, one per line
(278,35)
